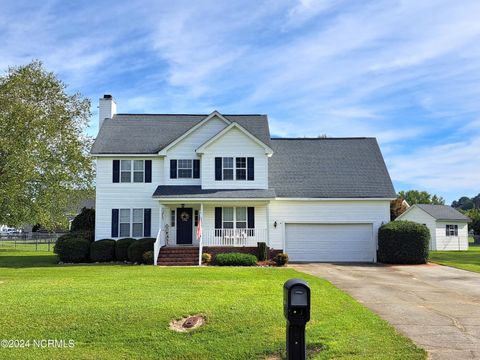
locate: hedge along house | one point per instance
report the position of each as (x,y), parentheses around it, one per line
(171,175)
(448,227)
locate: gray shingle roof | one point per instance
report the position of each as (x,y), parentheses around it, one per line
(443,212)
(148,134)
(172,191)
(329,168)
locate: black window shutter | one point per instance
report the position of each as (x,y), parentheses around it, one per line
(218,218)
(148,171)
(147,222)
(196,169)
(116,171)
(114,223)
(251,218)
(218,168)
(173,169)
(250,168)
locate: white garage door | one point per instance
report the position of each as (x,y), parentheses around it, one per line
(330,242)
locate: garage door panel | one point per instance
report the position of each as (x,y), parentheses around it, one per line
(329,242)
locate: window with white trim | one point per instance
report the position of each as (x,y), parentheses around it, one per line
(227,168)
(137,223)
(138,171)
(126,171)
(241,168)
(234,217)
(451,230)
(185,169)
(131,222)
(124,223)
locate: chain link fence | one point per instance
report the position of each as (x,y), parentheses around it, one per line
(29,241)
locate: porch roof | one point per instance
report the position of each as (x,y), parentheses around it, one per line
(185,191)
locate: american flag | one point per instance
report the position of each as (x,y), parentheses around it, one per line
(199,227)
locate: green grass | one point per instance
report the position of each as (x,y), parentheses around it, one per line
(122,312)
(466,260)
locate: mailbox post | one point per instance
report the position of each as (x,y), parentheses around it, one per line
(296,307)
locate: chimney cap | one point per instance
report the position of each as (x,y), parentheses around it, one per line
(107,96)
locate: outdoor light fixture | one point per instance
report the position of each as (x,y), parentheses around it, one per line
(183,205)
(275,224)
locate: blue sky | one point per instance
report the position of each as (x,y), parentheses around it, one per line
(406,72)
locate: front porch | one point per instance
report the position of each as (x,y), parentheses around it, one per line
(196,225)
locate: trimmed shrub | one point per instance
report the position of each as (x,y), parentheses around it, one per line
(121,248)
(281,259)
(235,259)
(85,221)
(138,248)
(72,248)
(148,257)
(102,250)
(86,235)
(403,242)
(262,251)
(206,258)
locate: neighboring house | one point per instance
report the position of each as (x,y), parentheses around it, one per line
(448,227)
(320,199)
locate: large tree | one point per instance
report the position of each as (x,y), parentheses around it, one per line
(421,197)
(466,203)
(43,147)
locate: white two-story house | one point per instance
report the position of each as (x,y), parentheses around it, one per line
(166,175)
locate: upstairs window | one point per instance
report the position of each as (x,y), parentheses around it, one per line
(234,168)
(228,168)
(127,171)
(241,168)
(185,169)
(138,171)
(451,230)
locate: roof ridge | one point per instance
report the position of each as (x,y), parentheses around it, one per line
(324,138)
(184,114)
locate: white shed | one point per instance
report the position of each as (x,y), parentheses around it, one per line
(448,227)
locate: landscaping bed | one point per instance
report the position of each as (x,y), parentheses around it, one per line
(116,311)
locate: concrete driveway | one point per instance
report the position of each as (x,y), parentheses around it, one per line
(438,307)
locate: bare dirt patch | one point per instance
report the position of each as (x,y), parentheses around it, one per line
(188,323)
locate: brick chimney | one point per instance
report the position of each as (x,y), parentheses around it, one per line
(106,109)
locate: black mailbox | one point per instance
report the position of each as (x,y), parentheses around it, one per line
(296,308)
(296,300)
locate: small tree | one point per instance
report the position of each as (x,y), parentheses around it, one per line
(85,221)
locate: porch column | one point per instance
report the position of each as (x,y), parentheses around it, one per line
(200,242)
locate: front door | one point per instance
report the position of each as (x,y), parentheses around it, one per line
(184,226)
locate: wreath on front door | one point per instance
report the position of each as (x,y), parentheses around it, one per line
(184,216)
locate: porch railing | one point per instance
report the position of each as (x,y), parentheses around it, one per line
(233,237)
(159,242)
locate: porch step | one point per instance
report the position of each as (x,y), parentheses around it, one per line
(178,256)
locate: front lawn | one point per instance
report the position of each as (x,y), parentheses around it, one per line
(466,260)
(122,312)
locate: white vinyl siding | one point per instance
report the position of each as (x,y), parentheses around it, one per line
(438,238)
(451,242)
(374,212)
(185,149)
(231,145)
(131,195)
